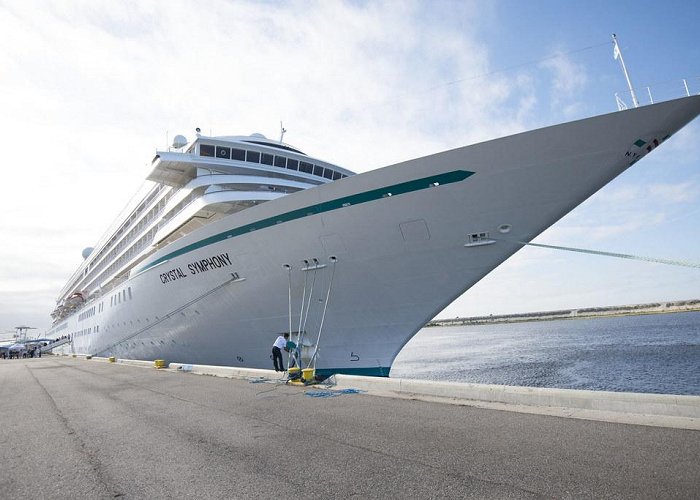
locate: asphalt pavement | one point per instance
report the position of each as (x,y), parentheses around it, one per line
(76,428)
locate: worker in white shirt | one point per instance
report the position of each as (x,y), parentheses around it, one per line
(277,347)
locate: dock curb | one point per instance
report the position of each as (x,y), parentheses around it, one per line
(663,410)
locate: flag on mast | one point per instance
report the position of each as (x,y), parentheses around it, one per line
(616,51)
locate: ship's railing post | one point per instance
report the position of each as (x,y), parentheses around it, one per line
(667,90)
(621,106)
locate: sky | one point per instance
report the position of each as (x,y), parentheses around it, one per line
(89,90)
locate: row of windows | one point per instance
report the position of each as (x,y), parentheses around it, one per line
(227,153)
(84,331)
(136,247)
(86,314)
(117,298)
(90,273)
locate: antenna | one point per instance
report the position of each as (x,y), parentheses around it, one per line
(617,53)
(282,131)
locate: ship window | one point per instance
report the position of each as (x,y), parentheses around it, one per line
(292,164)
(336,175)
(328,173)
(280,161)
(206,150)
(238,154)
(222,152)
(318,170)
(266,159)
(253,157)
(129,293)
(306,167)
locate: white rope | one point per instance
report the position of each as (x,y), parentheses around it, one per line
(289,273)
(301,312)
(311,293)
(670,262)
(323,316)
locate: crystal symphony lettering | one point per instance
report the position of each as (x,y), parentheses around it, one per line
(196,267)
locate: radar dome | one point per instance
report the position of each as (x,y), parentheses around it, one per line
(179,141)
(258,135)
(86,252)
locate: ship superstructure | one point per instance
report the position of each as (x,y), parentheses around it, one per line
(190,186)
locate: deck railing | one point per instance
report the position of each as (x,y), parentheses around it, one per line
(663,91)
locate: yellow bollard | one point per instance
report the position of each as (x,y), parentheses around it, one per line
(112,359)
(160,363)
(307,375)
(293,373)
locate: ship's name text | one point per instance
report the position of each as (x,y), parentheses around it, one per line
(199,266)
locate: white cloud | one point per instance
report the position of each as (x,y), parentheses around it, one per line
(684,192)
(568,77)
(632,196)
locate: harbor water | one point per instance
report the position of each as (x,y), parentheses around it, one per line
(656,353)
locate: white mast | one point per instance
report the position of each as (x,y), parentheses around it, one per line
(282,131)
(617,53)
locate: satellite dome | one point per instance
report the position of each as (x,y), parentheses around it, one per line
(86,252)
(179,141)
(258,135)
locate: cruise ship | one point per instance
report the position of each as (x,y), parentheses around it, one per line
(235,240)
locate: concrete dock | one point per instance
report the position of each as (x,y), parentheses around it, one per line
(76,428)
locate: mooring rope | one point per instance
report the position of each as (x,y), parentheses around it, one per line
(289,295)
(311,293)
(670,262)
(301,314)
(323,316)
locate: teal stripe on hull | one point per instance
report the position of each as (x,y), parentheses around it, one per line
(379,371)
(347,201)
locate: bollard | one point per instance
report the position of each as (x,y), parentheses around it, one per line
(160,363)
(294,373)
(308,375)
(112,359)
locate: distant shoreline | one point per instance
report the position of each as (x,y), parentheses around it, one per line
(581,313)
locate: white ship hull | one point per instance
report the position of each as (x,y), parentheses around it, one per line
(400,258)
